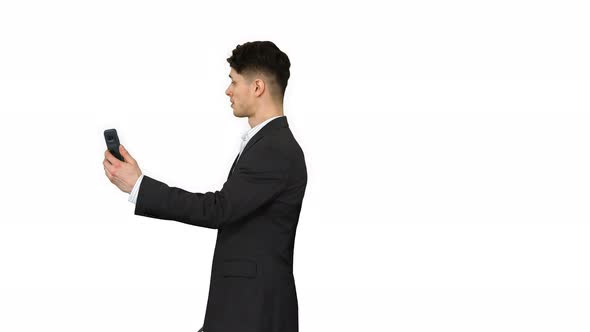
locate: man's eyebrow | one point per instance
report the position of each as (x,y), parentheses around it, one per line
(230,76)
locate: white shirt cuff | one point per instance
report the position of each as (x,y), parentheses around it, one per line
(135,190)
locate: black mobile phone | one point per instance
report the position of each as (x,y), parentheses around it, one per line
(112,139)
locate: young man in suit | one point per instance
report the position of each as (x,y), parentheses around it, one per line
(252,286)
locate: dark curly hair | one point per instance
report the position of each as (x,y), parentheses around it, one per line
(262,57)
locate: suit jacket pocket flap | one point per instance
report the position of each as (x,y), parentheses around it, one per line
(239,268)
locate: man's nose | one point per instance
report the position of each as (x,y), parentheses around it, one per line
(227,92)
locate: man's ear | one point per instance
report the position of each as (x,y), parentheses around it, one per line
(259,87)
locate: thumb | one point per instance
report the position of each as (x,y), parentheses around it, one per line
(125,154)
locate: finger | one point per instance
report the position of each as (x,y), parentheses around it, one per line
(112,159)
(126,154)
(107,173)
(107,165)
(110,167)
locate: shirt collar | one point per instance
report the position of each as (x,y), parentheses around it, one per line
(252,131)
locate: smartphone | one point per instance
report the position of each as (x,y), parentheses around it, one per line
(112,139)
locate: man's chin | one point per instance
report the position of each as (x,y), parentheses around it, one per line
(239,115)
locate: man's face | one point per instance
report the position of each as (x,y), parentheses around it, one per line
(239,94)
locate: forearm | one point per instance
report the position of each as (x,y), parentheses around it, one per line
(161,201)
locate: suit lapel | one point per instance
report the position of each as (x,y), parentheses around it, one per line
(280,122)
(232,166)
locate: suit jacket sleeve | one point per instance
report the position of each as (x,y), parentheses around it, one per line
(255,181)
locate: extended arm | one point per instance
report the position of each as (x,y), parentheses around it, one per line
(250,187)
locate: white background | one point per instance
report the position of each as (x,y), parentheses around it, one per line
(446,145)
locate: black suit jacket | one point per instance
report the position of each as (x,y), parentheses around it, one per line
(252,287)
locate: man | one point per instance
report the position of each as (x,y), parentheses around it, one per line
(252,287)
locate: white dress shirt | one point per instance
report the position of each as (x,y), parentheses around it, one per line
(245,138)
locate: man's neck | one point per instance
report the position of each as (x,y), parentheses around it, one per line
(254,121)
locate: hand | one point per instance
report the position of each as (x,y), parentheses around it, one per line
(122,174)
